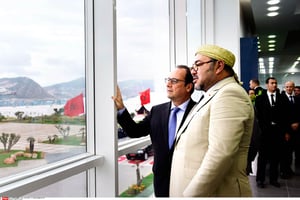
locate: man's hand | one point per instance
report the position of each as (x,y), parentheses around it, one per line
(118,99)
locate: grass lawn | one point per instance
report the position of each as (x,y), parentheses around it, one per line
(147,181)
(69,140)
(4,155)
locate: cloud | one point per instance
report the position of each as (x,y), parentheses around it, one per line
(43,40)
(143,39)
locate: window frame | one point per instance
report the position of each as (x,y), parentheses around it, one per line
(101,160)
(31,180)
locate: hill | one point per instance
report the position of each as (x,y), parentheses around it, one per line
(67,90)
(21,91)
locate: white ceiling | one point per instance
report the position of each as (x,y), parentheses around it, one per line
(286,27)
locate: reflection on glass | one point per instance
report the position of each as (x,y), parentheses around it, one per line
(42,83)
(143,63)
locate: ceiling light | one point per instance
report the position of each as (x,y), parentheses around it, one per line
(271,45)
(271,59)
(273,2)
(298,58)
(262,71)
(271,36)
(271,41)
(273,8)
(272,49)
(272,14)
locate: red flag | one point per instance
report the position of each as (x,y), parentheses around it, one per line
(74,106)
(145,96)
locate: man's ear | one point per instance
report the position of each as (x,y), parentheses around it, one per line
(189,86)
(220,66)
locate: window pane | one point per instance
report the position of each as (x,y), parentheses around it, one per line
(75,186)
(193,27)
(143,49)
(42,83)
(193,35)
(143,63)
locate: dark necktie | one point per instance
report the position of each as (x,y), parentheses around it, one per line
(172,125)
(291,99)
(272,100)
(202,97)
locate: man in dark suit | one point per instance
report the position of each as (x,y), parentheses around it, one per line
(179,89)
(290,143)
(272,120)
(255,85)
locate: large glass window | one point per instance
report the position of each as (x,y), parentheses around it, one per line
(143,62)
(194,36)
(193,28)
(42,83)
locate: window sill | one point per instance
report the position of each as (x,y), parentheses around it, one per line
(31,180)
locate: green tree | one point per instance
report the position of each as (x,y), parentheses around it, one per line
(19,114)
(63,131)
(9,140)
(31,141)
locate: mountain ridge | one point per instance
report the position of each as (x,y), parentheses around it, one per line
(19,91)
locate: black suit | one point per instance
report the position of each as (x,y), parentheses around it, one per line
(273,124)
(156,124)
(292,144)
(296,138)
(258,90)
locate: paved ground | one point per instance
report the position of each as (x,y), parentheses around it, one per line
(40,132)
(127,170)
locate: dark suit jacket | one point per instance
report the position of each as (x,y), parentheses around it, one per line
(293,109)
(155,124)
(259,90)
(266,114)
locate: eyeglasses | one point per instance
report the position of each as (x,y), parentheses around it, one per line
(198,64)
(173,80)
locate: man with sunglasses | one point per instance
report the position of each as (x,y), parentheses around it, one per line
(211,147)
(179,87)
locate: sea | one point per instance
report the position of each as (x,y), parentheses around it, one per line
(132,104)
(33,111)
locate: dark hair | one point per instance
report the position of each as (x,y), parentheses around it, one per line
(270,78)
(188,75)
(256,81)
(229,70)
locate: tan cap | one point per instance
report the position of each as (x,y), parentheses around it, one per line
(218,53)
